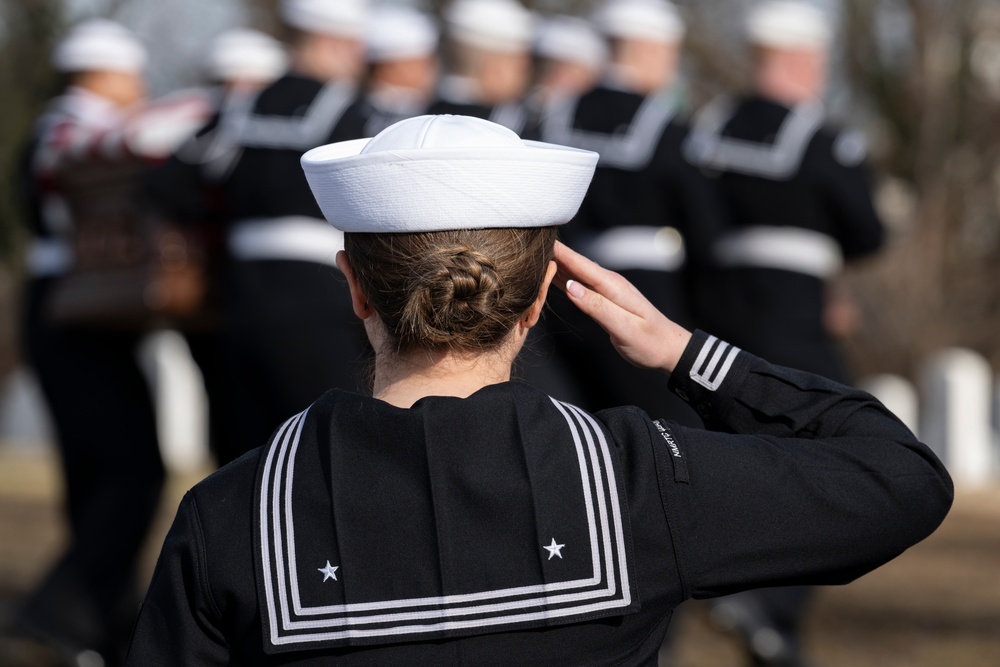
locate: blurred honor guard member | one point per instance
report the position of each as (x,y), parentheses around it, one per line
(649,213)
(797,191)
(98,398)
(798,195)
(488,58)
(238,64)
(401,48)
(571,58)
(458,518)
(242,60)
(286,334)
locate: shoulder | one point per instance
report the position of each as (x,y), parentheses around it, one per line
(287,94)
(609,102)
(844,146)
(223,497)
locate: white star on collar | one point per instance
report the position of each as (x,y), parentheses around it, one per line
(554,549)
(330,571)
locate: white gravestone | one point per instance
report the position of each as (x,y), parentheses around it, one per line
(957,392)
(897,394)
(180,401)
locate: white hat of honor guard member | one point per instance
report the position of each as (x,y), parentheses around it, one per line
(99,45)
(493,25)
(437,173)
(339,18)
(653,20)
(786,24)
(400,33)
(242,53)
(571,39)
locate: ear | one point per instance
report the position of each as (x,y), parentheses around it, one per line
(533,313)
(358,299)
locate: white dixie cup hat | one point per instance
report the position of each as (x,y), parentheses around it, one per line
(787,24)
(492,25)
(100,45)
(652,20)
(339,18)
(399,33)
(437,173)
(242,53)
(571,39)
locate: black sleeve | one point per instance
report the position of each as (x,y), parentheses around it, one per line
(695,201)
(178,189)
(178,622)
(845,183)
(799,481)
(26,186)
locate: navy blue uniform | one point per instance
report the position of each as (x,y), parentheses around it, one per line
(511,528)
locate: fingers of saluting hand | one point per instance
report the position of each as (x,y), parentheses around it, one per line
(604,283)
(641,334)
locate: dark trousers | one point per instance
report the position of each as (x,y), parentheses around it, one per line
(106,435)
(290,335)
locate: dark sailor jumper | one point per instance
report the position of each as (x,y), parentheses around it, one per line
(510,528)
(798,195)
(649,215)
(286,340)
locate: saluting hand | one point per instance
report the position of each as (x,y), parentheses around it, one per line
(644,336)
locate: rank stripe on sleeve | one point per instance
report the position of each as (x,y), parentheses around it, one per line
(712,365)
(289,623)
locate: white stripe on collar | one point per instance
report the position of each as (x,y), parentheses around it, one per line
(289,622)
(513,116)
(707,147)
(631,150)
(239,128)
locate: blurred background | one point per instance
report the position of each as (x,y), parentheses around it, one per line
(920,77)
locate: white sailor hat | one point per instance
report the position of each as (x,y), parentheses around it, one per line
(787,24)
(340,18)
(242,53)
(399,33)
(436,173)
(653,20)
(495,25)
(571,39)
(99,45)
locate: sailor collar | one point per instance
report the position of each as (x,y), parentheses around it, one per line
(631,149)
(499,512)
(709,147)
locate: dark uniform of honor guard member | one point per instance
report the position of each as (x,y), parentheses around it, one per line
(98,398)
(285,338)
(239,63)
(649,213)
(487,62)
(401,49)
(798,195)
(457,517)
